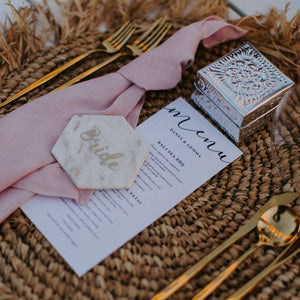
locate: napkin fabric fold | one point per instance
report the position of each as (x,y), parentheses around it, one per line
(29,133)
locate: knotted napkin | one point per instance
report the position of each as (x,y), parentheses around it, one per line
(29,133)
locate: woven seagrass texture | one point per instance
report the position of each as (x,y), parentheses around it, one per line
(30,268)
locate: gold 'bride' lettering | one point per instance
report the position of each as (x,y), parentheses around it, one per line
(106,159)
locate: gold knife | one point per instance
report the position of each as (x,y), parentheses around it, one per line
(282,199)
(282,258)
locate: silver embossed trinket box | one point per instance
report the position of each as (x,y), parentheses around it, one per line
(240,91)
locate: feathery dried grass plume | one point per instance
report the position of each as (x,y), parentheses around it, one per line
(277,38)
(32,29)
(14,38)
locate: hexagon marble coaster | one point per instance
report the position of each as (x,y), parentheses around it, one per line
(100,152)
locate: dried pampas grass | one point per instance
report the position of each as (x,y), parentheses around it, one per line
(34,29)
(277,38)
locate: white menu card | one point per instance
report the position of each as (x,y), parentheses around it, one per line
(185,151)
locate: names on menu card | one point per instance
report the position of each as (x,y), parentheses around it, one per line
(185,151)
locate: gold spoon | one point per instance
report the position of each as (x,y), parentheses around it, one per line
(277,227)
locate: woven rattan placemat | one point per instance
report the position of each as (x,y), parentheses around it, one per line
(30,268)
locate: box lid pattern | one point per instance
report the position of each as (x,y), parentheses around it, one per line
(243,84)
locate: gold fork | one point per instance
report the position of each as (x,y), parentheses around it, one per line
(147,41)
(112,44)
(283,199)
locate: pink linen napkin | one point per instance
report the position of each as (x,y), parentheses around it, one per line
(29,133)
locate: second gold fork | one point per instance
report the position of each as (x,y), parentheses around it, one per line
(147,41)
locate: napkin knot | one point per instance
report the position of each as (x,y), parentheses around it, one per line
(162,67)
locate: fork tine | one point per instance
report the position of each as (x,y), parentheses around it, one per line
(125,32)
(154,32)
(153,43)
(148,31)
(122,40)
(120,30)
(120,37)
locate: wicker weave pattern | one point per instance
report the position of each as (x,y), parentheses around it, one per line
(31,269)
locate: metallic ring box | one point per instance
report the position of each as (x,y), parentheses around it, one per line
(240,91)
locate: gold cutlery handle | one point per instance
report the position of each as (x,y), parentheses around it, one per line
(192,271)
(214,284)
(251,284)
(90,71)
(48,76)
(169,290)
